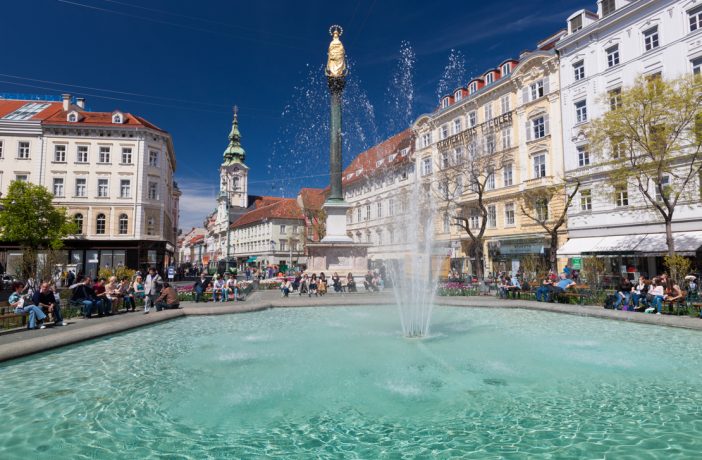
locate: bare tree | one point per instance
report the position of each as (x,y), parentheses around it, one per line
(548,207)
(467,165)
(653,140)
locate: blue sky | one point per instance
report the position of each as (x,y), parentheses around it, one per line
(183,64)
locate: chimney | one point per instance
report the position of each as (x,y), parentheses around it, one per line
(66,101)
(80,101)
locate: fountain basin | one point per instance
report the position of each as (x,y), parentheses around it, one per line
(343,382)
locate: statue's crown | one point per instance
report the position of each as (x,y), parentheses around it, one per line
(336,28)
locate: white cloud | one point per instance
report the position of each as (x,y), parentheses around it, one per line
(198,200)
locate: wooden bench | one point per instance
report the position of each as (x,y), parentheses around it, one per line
(9,319)
(579,292)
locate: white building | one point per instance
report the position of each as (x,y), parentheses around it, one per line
(601,54)
(113,172)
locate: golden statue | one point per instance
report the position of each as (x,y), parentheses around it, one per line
(336,62)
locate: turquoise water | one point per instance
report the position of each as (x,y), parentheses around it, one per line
(343,383)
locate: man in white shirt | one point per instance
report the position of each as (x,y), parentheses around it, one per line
(152,288)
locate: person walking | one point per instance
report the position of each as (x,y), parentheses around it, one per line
(152,288)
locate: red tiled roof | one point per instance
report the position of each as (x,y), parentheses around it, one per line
(283,208)
(9,106)
(368,161)
(313,198)
(99,119)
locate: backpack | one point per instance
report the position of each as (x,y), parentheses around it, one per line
(610,301)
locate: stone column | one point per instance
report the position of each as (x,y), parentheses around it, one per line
(336,88)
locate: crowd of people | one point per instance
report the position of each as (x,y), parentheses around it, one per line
(220,288)
(95,296)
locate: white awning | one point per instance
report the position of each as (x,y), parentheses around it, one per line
(576,246)
(686,243)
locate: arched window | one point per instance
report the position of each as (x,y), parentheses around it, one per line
(100,224)
(72,117)
(78,220)
(236,183)
(117,118)
(123,224)
(150,226)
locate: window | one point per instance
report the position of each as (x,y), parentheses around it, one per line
(60,153)
(488,112)
(504,103)
(58,187)
(608,7)
(506,137)
(507,175)
(104,155)
(541,209)
(581,111)
(380,209)
(102,188)
(444,160)
(473,87)
(447,223)
(489,78)
(150,226)
(78,220)
(457,126)
(492,216)
(618,148)
(81,187)
(426,166)
(391,207)
(536,90)
(23,151)
(696,69)
(117,118)
(538,127)
(153,191)
(615,98)
(21,177)
(458,156)
(695,16)
(82,154)
(26,112)
(283,229)
(579,70)
(72,117)
(123,224)
(576,23)
(125,188)
(585,200)
(472,119)
(444,131)
(444,102)
(458,95)
(358,215)
(583,156)
(506,69)
(282,246)
(368,212)
(1,143)
(126,155)
(540,166)
(509,214)
(651,38)
(621,196)
(490,143)
(665,185)
(612,56)
(474,218)
(490,180)
(100,224)
(426,139)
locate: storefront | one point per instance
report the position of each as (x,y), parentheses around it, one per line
(506,254)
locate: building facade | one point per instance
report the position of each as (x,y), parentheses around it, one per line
(113,172)
(603,53)
(506,123)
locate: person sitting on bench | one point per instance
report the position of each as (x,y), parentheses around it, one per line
(23,306)
(45,298)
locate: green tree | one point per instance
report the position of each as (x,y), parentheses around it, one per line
(29,218)
(652,136)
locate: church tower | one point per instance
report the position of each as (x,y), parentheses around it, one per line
(233,175)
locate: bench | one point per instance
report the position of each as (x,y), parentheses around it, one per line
(579,292)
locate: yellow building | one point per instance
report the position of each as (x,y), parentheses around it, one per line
(488,151)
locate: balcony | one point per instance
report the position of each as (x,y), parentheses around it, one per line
(539,182)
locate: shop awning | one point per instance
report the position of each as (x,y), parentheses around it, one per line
(686,243)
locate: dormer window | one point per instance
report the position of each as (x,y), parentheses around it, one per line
(117,118)
(608,7)
(72,117)
(506,69)
(576,23)
(458,95)
(445,102)
(473,87)
(489,78)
